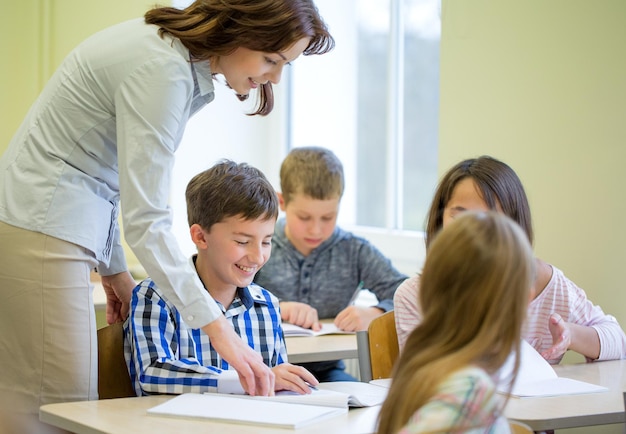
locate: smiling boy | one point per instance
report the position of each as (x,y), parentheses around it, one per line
(231,210)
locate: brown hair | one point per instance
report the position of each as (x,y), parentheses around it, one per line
(499,186)
(313,171)
(229,189)
(474,292)
(210,28)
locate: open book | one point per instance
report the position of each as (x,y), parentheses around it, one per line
(235,409)
(327,329)
(333,394)
(537,378)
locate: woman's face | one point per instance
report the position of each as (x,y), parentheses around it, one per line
(465,197)
(246,69)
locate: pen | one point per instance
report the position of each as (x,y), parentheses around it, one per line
(357,291)
(312,387)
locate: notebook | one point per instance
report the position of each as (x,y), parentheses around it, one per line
(327,329)
(235,409)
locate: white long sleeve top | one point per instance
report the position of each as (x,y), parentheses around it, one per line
(103,133)
(560,295)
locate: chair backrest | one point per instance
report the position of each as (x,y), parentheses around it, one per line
(378,348)
(519,427)
(113,377)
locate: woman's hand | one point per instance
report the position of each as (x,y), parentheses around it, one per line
(255,377)
(118,289)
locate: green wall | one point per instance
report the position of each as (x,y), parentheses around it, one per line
(35,37)
(542,85)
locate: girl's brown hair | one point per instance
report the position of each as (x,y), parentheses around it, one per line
(210,28)
(498,184)
(474,292)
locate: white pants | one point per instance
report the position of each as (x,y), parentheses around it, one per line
(48,341)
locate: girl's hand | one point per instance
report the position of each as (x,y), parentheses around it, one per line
(300,314)
(294,378)
(561,337)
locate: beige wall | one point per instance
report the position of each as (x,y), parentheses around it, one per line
(35,37)
(542,86)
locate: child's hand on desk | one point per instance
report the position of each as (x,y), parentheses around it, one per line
(561,337)
(354,318)
(294,378)
(300,314)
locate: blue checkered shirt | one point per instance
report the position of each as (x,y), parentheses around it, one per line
(169,357)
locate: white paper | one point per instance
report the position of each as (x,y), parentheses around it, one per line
(536,377)
(382,382)
(327,329)
(360,394)
(228,382)
(231,408)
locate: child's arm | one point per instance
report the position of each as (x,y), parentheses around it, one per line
(408,313)
(584,327)
(354,318)
(378,273)
(569,336)
(294,378)
(300,314)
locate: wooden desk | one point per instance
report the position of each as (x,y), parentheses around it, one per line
(128,415)
(571,411)
(302,349)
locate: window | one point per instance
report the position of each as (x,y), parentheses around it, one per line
(374,101)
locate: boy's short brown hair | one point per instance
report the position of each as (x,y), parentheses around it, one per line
(313,171)
(229,189)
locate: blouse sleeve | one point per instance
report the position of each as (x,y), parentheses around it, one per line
(407,312)
(162,356)
(152,108)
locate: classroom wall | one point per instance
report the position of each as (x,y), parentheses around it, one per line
(35,37)
(542,86)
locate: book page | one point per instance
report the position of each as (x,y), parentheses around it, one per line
(333,394)
(327,329)
(360,394)
(536,377)
(322,397)
(382,382)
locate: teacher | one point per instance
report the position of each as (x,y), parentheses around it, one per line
(102,135)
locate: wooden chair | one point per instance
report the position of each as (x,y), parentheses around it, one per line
(113,377)
(378,348)
(519,428)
